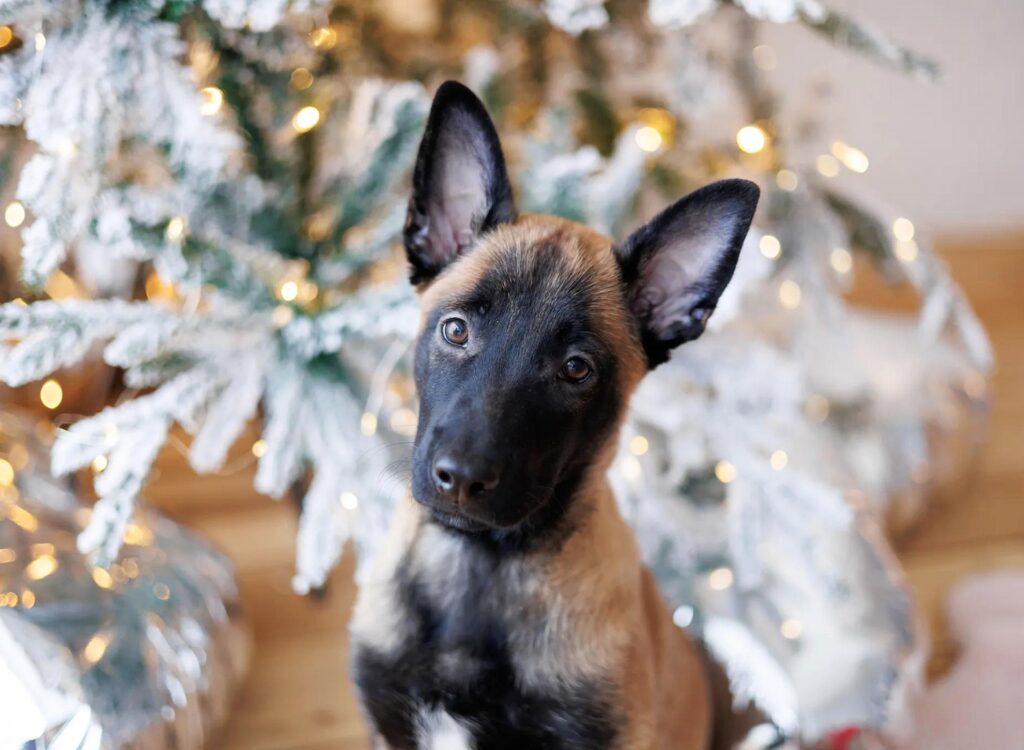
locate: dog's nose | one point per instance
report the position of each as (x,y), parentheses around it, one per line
(462,478)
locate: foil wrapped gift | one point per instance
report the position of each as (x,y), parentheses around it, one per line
(145,654)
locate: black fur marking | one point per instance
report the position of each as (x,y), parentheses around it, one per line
(457,120)
(459,661)
(733,202)
(502,402)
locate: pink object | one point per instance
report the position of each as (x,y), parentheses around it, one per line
(979,704)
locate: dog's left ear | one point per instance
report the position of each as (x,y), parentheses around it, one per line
(460,187)
(677,266)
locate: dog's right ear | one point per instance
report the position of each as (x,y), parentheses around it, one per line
(460,188)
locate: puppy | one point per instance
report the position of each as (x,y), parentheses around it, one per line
(509,607)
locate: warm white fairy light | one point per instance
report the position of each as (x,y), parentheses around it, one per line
(95,648)
(725,472)
(903,228)
(906,250)
(683,616)
(282,316)
(789,294)
(648,139)
(403,421)
(787,180)
(631,469)
(102,578)
(213,99)
(841,260)
(306,119)
(41,567)
(852,158)
(40,40)
(751,139)
(301,79)
(368,423)
(827,165)
(638,445)
(324,37)
(288,290)
(175,228)
(6,473)
(99,464)
(6,36)
(770,246)
(778,460)
(259,448)
(764,57)
(51,394)
(28,598)
(817,407)
(720,579)
(791,629)
(14,214)
(349,501)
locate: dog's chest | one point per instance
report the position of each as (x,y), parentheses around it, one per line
(471,668)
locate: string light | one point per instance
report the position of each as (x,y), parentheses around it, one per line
(288,291)
(638,445)
(301,79)
(663,122)
(259,448)
(817,407)
(67,148)
(282,316)
(139,536)
(41,567)
(6,473)
(175,229)
(903,228)
(8,599)
(906,250)
(213,99)
(14,214)
(648,139)
(96,648)
(102,578)
(789,294)
(841,260)
(852,158)
(787,180)
(349,501)
(368,423)
(324,37)
(764,57)
(21,517)
(791,629)
(631,469)
(158,288)
(827,165)
(770,246)
(7,555)
(40,40)
(403,421)
(51,394)
(61,286)
(306,119)
(6,36)
(751,139)
(99,464)
(28,599)
(683,616)
(778,460)
(720,579)
(725,472)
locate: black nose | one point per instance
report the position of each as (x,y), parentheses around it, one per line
(462,478)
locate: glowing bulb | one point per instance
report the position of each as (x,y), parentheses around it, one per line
(324,38)
(368,423)
(40,40)
(751,139)
(720,579)
(403,421)
(213,98)
(6,473)
(683,616)
(791,629)
(259,448)
(95,648)
(648,139)
(67,148)
(99,464)
(789,294)
(306,119)
(349,501)
(903,228)
(102,578)
(14,214)
(282,316)
(51,394)
(778,460)
(787,180)
(841,260)
(21,517)
(41,567)
(631,469)
(770,246)
(288,291)
(639,445)
(175,229)
(764,57)
(827,165)
(28,599)
(725,472)
(6,36)
(906,250)
(301,79)
(7,555)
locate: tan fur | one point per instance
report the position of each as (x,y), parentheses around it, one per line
(600,612)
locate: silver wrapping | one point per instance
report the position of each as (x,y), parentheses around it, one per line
(146,654)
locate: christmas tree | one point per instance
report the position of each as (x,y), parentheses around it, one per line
(225,183)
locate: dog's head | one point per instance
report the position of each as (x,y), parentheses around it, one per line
(536,330)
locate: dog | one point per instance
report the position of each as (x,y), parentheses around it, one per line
(509,607)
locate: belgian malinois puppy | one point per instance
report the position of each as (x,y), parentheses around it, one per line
(509,607)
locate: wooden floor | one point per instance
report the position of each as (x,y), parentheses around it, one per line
(297,694)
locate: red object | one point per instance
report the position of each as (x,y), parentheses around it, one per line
(842,739)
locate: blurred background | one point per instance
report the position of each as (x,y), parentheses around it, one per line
(209,408)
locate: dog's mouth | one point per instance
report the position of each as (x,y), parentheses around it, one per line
(459,522)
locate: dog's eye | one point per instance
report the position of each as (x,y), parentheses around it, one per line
(575,370)
(455,331)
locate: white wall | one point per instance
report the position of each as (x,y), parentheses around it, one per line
(950,154)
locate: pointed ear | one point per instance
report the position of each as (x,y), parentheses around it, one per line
(676,267)
(460,188)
